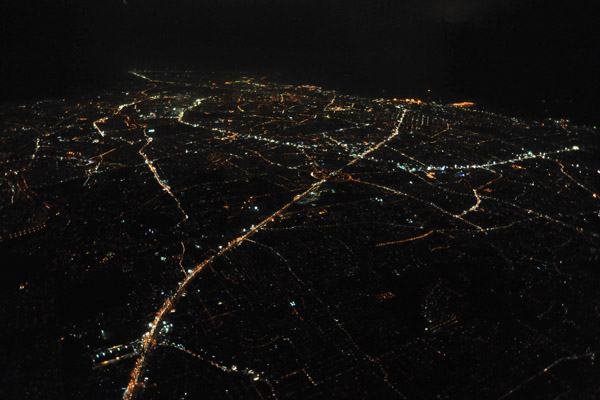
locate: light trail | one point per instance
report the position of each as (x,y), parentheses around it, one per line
(149,339)
(328,106)
(581,185)
(406,240)
(95,124)
(35,151)
(165,187)
(135,73)
(181,257)
(545,370)
(294,168)
(98,164)
(404,194)
(475,207)
(536,213)
(233,135)
(255,376)
(103,154)
(23,232)
(145,77)
(485,166)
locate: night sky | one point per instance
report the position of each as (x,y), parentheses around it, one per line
(508,54)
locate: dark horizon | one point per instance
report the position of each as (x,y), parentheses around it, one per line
(537,58)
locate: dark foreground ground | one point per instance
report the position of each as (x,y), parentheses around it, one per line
(192,235)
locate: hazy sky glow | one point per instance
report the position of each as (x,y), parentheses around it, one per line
(509,49)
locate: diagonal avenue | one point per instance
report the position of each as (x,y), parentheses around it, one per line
(150,338)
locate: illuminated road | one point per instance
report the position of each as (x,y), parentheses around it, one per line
(149,340)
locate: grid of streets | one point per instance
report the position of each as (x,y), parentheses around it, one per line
(235,237)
